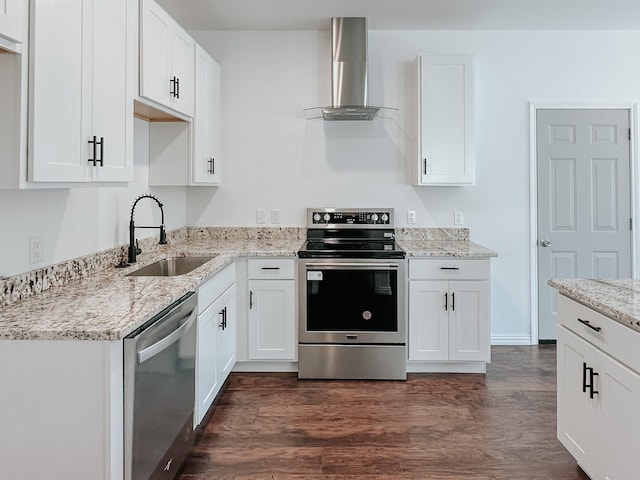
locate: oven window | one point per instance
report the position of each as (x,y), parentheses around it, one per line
(352,300)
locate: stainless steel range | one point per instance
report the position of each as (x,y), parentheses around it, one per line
(352,296)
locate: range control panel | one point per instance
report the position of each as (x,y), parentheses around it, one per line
(341,218)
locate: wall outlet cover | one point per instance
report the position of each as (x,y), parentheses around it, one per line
(35,249)
(260,216)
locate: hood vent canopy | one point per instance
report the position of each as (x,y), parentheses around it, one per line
(349,74)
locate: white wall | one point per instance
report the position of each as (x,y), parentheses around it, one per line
(78,221)
(274,158)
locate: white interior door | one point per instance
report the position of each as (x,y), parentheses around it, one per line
(584,203)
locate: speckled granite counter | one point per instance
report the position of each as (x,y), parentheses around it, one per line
(617,299)
(88,299)
(445,248)
(440,242)
(108,305)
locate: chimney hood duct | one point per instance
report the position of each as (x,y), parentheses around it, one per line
(349,74)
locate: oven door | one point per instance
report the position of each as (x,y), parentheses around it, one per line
(349,301)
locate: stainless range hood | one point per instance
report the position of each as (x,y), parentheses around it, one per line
(349,74)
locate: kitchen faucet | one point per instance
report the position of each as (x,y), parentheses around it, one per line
(133,244)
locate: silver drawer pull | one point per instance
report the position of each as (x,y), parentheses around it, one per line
(270,268)
(449,268)
(586,322)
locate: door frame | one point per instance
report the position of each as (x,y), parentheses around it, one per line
(634,122)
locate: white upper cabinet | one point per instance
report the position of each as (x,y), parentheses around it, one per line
(113,88)
(187,153)
(81,91)
(167,56)
(446,120)
(12,20)
(206,123)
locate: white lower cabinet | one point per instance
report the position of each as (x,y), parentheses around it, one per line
(216,344)
(271,315)
(448,321)
(449,310)
(598,398)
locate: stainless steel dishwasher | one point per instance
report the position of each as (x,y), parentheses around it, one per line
(159,391)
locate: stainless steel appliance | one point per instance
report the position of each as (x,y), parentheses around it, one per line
(159,389)
(349,74)
(352,296)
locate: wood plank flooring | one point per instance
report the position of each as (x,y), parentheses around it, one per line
(501,426)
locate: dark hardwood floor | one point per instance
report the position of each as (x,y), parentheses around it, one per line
(433,426)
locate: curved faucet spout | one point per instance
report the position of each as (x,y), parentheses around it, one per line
(133,247)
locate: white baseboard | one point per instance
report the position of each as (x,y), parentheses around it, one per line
(265,367)
(511,340)
(449,367)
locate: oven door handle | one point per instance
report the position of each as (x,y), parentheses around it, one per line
(355,265)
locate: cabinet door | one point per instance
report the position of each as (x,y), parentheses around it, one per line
(112,77)
(12,17)
(155,52)
(469,321)
(447,123)
(182,68)
(207,380)
(271,320)
(619,395)
(60,53)
(577,412)
(226,349)
(428,320)
(206,127)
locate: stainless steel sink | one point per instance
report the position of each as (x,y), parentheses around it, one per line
(170,267)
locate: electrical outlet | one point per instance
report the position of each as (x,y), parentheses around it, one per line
(411,216)
(458,219)
(275,215)
(260,216)
(35,249)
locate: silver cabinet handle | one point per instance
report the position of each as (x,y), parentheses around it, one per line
(545,242)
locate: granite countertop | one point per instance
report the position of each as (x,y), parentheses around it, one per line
(445,248)
(78,300)
(108,305)
(618,299)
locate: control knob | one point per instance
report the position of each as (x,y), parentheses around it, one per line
(385,217)
(374,217)
(316,217)
(327,217)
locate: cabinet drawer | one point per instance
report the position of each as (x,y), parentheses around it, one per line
(612,337)
(448,269)
(271,268)
(209,291)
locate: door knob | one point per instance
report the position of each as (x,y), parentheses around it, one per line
(545,242)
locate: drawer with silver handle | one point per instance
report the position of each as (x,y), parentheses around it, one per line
(448,269)
(601,331)
(271,268)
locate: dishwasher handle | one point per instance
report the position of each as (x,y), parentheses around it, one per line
(164,343)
